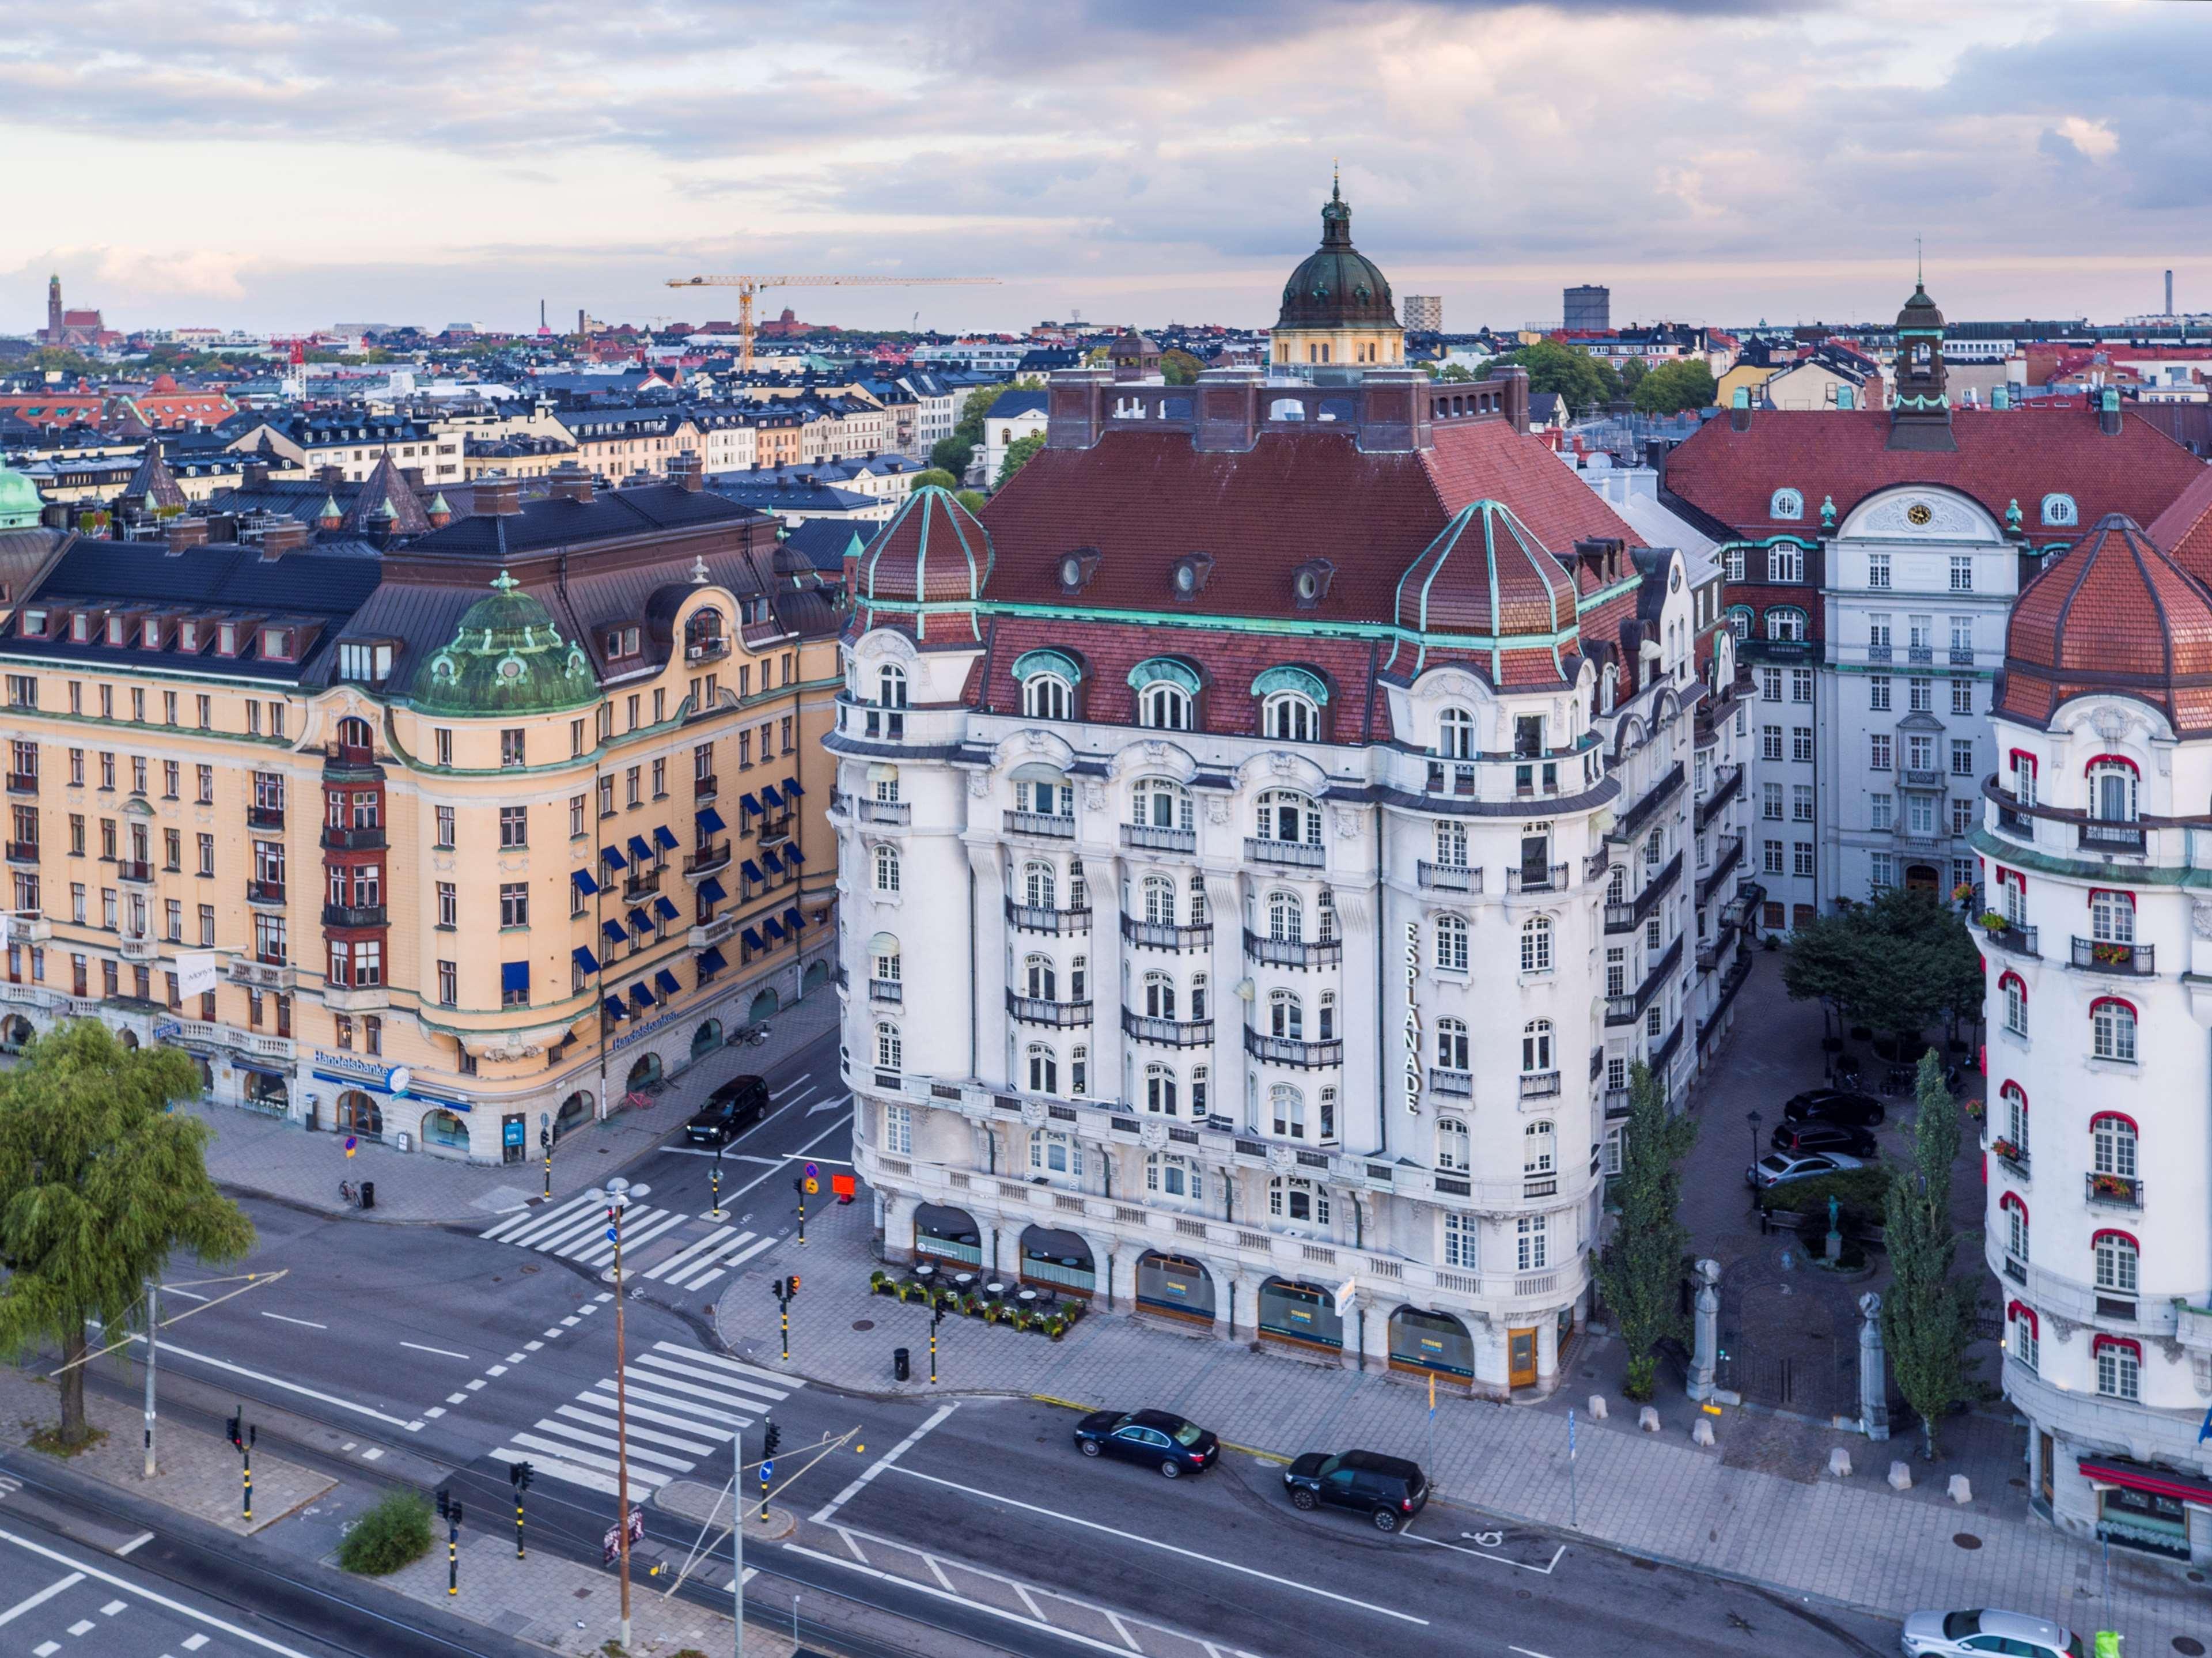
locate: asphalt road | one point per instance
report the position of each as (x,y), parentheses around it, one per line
(466,1352)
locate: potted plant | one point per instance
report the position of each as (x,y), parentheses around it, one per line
(1994,922)
(2111,1186)
(878,1280)
(2106,953)
(1056,1326)
(2005,1148)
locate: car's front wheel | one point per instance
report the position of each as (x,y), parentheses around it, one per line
(1386,1520)
(1303,1499)
(1170,1469)
(1089,1447)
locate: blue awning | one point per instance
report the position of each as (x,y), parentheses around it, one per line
(585,881)
(711,891)
(792,789)
(640,996)
(770,797)
(752,870)
(663,909)
(514,975)
(665,983)
(792,852)
(711,821)
(613,1008)
(582,956)
(640,921)
(753,939)
(792,920)
(773,927)
(261,1067)
(612,856)
(749,803)
(773,863)
(639,850)
(663,837)
(612,929)
(711,961)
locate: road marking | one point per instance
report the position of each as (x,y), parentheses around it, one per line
(608,1443)
(555,1468)
(305,1323)
(586,1459)
(496,1369)
(605,1401)
(1169,1548)
(612,1425)
(734,1261)
(854,1544)
(1122,1630)
(81,1625)
(828,1103)
(698,1253)
(532,1346)
(802,1080)
(822,1515)
(736,1367)
(41,1597)
(447,1352)
(1525,1653)
(158,1600)
(475,1385)
(938,1571)
(372,1454)
(434,1411)
(746,1388)
(1544,1570)
(1036,1611)
(793,1157)
(800,1098)
(457,1398)
(374,1414)
(143,1537)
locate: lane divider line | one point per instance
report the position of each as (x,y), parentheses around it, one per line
(828,1511)
(158,1600)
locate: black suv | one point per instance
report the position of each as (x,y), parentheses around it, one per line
(1835,1105)
(1802,1138)
(1388,1489)
(730,1111)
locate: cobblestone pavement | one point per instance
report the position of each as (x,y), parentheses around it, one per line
(270,1156)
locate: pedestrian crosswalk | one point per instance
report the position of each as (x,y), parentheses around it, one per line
(577,1230)
(683,1405)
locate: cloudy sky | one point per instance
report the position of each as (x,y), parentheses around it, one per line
(250,162)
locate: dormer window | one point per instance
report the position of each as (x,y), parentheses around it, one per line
(2059,512)
(153,635)
(1786,504)
(621,642)
(188,636)
(35,624)
(366,661)
(1077,568)
(115,630)
(277,644)
(81,627)
(1192,572)
(226,639)
(1309,583)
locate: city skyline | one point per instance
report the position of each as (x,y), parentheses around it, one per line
(1135,164)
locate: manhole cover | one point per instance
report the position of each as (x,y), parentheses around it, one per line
(2017,1483)
(2190,1644)
(864,1324)
(1966,1539)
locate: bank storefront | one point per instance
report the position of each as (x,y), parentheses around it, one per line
(351,1094)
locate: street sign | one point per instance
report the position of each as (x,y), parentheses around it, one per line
(611,1235)
(768,1470)
(844,1185)
(350,1143)
(812,1173)
(610,1545)
(812,1185)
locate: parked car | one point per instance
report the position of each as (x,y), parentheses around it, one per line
(1939,1634)
(1158,1439)
(1779,1167)
(1390,1490)
(730,1109)
(1835,1105)
(1802,1138)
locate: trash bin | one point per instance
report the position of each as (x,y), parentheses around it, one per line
(369,1194)
(900,1369)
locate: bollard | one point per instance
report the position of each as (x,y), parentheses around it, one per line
(1701,1431)
(1961,1490)
(1839,1463)
(901,1368)
(1901,1476)
(1648,1419)
(1598,1408)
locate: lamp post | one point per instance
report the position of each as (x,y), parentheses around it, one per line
(1754,1119)
(617,1196)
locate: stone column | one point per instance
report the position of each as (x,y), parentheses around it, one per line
(1224,1282)
(1874,1370)
(1547,1352)
(1375,1324)
(1706,1359)
(1246,1324)
(1103,1266)
(898,1225)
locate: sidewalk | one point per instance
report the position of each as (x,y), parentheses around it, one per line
(269,1157)
(1782,1523)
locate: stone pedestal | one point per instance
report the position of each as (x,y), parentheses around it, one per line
(1874,1370)
(1705,1358)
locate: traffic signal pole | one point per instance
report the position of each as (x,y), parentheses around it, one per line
(786,1290)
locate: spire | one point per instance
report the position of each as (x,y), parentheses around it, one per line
(1920,418)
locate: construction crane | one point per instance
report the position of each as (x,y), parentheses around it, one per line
(749,286)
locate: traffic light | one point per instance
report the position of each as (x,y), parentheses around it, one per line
(520,1474)
(444,1503)
(771,1439)
(456,1516)
(794,1283)
(232,1433)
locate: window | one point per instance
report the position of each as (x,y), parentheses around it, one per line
(1537,1146)
(514,904)
(1800,859)
(1455,734)
(1962,579)
(1770,805)
(1043,1069)
(1173,1176)
(1770,862)
(1878,693)
(1785,623)
(1289,717)
(1297,1201)
(2116,1261)
(1287,815)
(2024,1344)
(1770,684)
(1536,944)
(1451,944)
(1040,885)
(2114,1139)
(1451,1044)
(1801,802)
(2112,1032)
(1452,843)
(1880,748)
(1536,1047)
(1785,564)
(1801,743)
(888,1047)
(1962,756)
(445,826)
(1786,504)
(1157,803)
(1800,684)
(514,826)
(1962,696)
(1159,996)
(2113,917)
(1160,1091)
(2059,511)
(1770,742)
(1048,696)
(1460,1233)
(2119,1369)
(898,1130)
(1881,811)
(1165,706)
(1532,1242)
(2112,791)
(449,904)
(2015,1002)
(1920,696)
(1286,1016)
(1452,1152)
(1288,1108)
(887,869)
(1735,562)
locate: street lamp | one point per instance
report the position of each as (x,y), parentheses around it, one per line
(1754,1119)
(615,1197)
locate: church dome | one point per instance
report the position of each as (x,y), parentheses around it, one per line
(20,501)
(1337,286)
(1485,574)
(505,656)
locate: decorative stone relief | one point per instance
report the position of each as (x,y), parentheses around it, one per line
(1033,1112)
(1155,752)
(1347,823)
(2111,724)
(1928,517)
(1217,809)
(1283,765)
(1094,796)
(1281,1159)
(979,784)
(2200,917)
(1035,742)
(1152,1134)
(2061,1327)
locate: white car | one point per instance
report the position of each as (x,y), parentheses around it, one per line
(1781,1166)
(2004,1634)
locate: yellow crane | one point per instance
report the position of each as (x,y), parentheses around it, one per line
(749,286)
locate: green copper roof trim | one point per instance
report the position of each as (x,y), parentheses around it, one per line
(1304,680)
(1154,669)
(2012,853)
(1053,662)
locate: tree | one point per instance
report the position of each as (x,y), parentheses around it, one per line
(1179,367)
(1573,373)
(951,455)
(1017,456)
(971,499)
(935,476)
(954,453)
(1927,1317)
(1895,963)
(1632,371)
(99,1183)
(1672,387)
(1639,1274)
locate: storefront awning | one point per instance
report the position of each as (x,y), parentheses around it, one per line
(773,927)
(2134,1476)
(260,1069)
(769,861)
(793,853)
(791,920)
(514,975)
(640,921)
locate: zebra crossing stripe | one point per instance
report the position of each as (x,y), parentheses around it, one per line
(588,1460)
(573,1229)
(732,1264)
(557,1468)
(713,1406)
(755,1394)
(693,1257)
(612,1425)
(611,1444)
(533,1225)
(637,1231)
(725,1430)
(736,1367)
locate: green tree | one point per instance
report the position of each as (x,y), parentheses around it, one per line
(1672,387)
(1573,373)
(1179,367)
(1895,963)
(1927,1317)
(951,455)
(1017,456)
(1640,1275)
(1632,371)
(100,1184)
(936,476)
(971,499)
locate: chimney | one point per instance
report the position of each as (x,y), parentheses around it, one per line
(1516,395)
(688,472)
(413,474)
(570,483)
(185,533)
(2169,293)
(329,476)
(254,475)
(286,535)
(498,497)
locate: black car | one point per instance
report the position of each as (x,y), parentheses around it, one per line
(1388,1489)
(1835,1105)
(1158,1439)
(1816,1135)
(730,1111)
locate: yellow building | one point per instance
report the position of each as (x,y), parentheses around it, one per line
(1336,306)
(1746,376)
(493,825)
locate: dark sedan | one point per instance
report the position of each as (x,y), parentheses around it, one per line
(1158,1439)
(1802,1138)
(1836,1105)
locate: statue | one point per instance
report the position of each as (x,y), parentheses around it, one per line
(1834,1241)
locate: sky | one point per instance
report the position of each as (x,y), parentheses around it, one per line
(287,166)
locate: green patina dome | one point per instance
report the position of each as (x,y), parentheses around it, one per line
(507,657)
(20,501)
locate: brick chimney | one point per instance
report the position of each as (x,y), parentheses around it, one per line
(1516,395)
(286,535)
(329,476)
(498,497)
(688,472)
(413,474)
(569,483)
(254,475)
(185,533)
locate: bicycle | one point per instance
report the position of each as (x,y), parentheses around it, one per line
(751,1036)
(349,1194)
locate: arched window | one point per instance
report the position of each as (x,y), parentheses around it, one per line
(2112,1031)
(1786,562)
(1616,886)
(354,733)
(2015,1117)
(1048,696)
(1157,803)
(703,635)
(1455,734)
(2015,1222)
(1040,979)
(1289,1106)
(1451,942)
(1159,900)
(2060,512)
(2014,989)
(890,687)
(1079,1071)
(1286,1017)
(887,869)
(1198,900)
(2119,1368)
(1160,1091)
(1044,1069)
(1325,917)
(1537,1144)
(1164,706)
(1452,1152)
(1290,717)
(1328,1030)
(2112,791)
(1536,1045)
(1451,1044)
(1287,815)
(1297,1201)
(2114,1140)
(1198,1091)
(1452,843)
(1159,996)
(1172,1176)
(883,959)
(1198,996)
(1739,620)
(1286,918)
(888,1047)
(2026,1340)
(2113,917)
(1040,885)
(1052,1152)
(1536,944)
(1785,623)
(1786,504)
(2118,1258)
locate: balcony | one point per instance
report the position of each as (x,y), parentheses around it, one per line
(705,788)
(2010,936)
(265,818)
(2097,835)
(261,975)
(1731,854)
(1540,1186)
(1449,878)
(1288,1050)
(1616,1103)
(265,892)
(1727,783)
(1628,916)
(641,883)
(1151,837)
(707,650)
(1537,878)
(1045,825)
(1630,822)
(1296,854)
(1880,654)
(1962,656)
(1598,865)
(1043,917)
(897,814)
(1036,1009)
(2014,824)
(1539,1085)
(706,859)
(2014,1157)
(1167,1032)
(1163,935)
(22,852)
(2114,1191)
(1451,1084)
(367,839)
(22,782)
(353,916)
(138,947)
(138,869)
(1920,654)
(1626,1010)
(887,990)
(1920,777)
(1292,952)
(2114,956)
(711,931)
